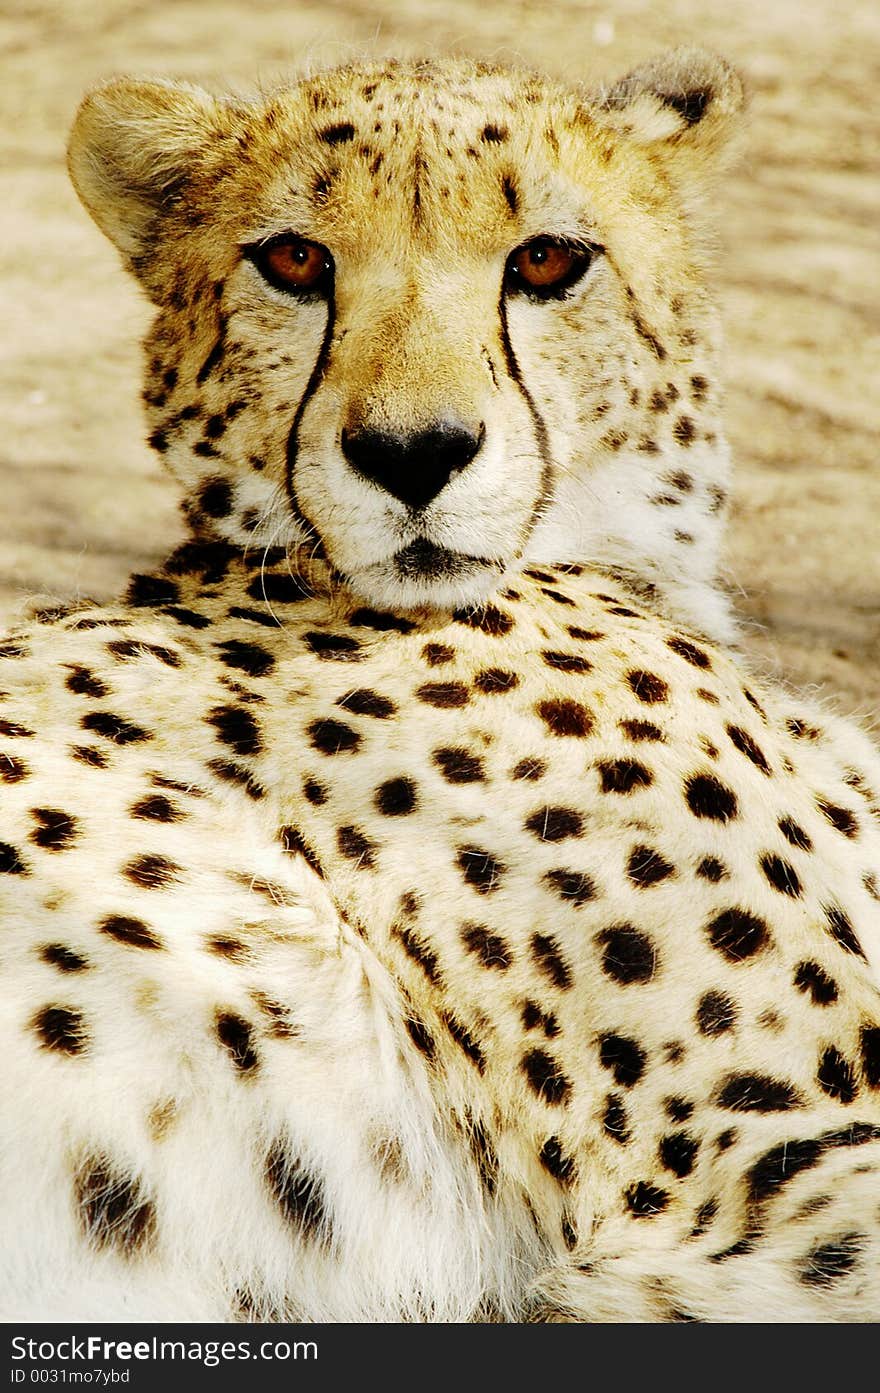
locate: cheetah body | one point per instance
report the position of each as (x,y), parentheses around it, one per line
(366,958)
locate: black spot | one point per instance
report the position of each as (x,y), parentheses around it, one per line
(114,1208)
(869,1039)
(11,862)
(711,869)
(436,654)
(564,717)
(332,737)
(316,793)
(509,189)
(245,657)
(554,824)
(584,635)
(623,775)
(278,587)
(487,947)
(480,868)
(338,134)
(253,616)
(575,886)
(151,872)
(678,1152)
(678,1109)
(237,774)
(781,875)
(420,953)
(707,797)
(841,818)
(555,1160)
(644,1200)
(65,959)
(716,1013)
(757,1093)
(647,686)
(61,1029)
(494,681)
(84,682)
(836,1076)
(545,1077)
(12,769)
(458,766)
(641,730)
(494,135)
(488,619)
(794,834)
(215,498)
(485,1156)
(146,591)
(465,1041)
(689,651)
(421,1037)
(828,1262)
(549,958)
(57,831)
(566,662)
(810,977)
(615,1122)
(187,617)
(132,932)
(234,1034)
(365,702)
(115,728)
(355,846)
(333,647)
(298,1194)
(684,430)
(396,797)
(646,867)
(842,931)
(738,934)
(745,744)
(293,842)
(236,728)
(629,956)
(156,808)
(529,769)
(443,694)
(374,619)
(624,1057)
(705,1215)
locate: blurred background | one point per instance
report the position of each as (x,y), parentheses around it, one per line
(83,501)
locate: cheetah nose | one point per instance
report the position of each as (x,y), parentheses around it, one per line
(413,467)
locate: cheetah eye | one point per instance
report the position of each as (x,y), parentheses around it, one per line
(547,267)
(292,264)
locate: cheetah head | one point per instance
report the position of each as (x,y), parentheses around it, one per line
(432,321)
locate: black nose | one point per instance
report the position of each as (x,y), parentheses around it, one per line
(414,468)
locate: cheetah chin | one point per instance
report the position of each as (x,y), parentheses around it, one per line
(374,947)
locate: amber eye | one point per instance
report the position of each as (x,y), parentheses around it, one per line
(545,268)
(293,264)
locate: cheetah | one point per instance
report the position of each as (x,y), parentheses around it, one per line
(411,909)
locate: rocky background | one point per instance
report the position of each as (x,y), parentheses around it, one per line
(82,501)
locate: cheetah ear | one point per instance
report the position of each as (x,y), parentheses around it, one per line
(684,103)
(132,150)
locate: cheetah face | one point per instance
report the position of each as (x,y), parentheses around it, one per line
(433,321)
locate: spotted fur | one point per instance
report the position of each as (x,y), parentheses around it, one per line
(402,962)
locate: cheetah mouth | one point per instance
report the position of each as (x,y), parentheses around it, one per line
(424,560)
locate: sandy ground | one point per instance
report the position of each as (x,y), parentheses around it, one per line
(81,499)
